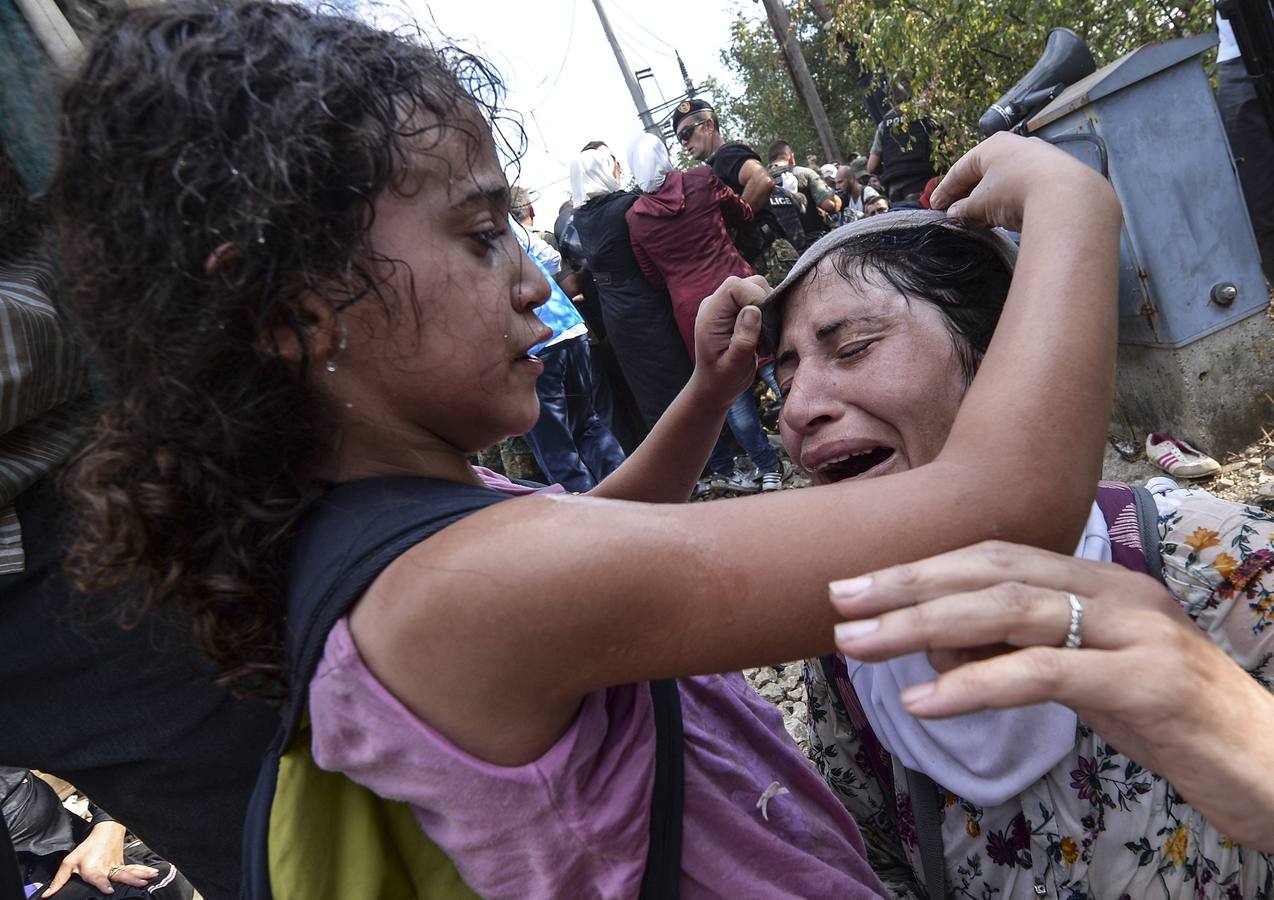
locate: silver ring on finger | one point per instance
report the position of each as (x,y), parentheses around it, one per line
(1073,639)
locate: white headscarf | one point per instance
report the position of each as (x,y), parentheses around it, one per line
(592,175)
(649,162)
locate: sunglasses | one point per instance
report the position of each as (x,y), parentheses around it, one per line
(684,134)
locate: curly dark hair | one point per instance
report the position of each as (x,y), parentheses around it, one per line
(263,132)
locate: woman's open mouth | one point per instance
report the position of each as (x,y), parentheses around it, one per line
(853,465)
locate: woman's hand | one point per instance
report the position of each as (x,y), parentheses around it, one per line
(994,182)
(99,860)
(993,618)
(727,331)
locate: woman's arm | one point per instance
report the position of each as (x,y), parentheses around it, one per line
(1146,679)
(495,628)
(644,262)
(734,211)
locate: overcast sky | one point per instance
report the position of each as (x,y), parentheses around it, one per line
(561,73)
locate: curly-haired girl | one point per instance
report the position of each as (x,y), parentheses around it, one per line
(288,237)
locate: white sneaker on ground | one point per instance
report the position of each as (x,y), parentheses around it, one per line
(771,481)
(734,483)
(1178,458)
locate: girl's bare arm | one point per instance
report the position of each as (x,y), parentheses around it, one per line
(494,629)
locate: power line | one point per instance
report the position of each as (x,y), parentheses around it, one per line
(566,55)
(634,20)
(638,42)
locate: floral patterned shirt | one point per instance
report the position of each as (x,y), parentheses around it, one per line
(1098,826)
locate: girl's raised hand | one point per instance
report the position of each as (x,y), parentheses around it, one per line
(993,183)
(993,619)
(727,332)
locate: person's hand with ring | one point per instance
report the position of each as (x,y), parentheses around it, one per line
(99,860)
(1009,625)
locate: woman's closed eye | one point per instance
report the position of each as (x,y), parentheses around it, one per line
(856,349)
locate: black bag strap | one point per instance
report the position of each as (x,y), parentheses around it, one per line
(925,804)
(1148,526)
(353,534)
(662,880)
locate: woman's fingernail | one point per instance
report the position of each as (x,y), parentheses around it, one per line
(849,631)
(848,587)
(916,692)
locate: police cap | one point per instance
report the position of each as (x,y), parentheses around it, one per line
(686,107)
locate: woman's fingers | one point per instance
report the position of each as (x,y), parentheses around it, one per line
(1011,613)
(716,321)
(960,571)
(961,178)
(1032,675)
(60,877)
(747,334)
(135,875)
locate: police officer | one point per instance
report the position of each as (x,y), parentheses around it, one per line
(765,245)
(900,153)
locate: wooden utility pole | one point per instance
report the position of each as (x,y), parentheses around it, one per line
(801,80)
(634,87)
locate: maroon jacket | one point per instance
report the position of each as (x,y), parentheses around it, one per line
(679,237)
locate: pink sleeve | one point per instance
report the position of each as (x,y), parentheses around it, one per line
(509,830)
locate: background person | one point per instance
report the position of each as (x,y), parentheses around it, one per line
(678,233)
(62,855)
(767,246)
(115,710)
(853,194)
(818,200)
(901,154)
(572,445)
(638,318)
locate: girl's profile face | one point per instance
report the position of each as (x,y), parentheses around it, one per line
(446,359)
(871,381)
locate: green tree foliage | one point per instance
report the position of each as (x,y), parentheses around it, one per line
(765,107)
(959,56)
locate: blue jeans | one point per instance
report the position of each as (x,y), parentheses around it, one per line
(745,425)
(571,444)
(767,375)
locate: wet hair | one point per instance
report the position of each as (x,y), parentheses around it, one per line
(777,149)
(264,132)
(952,268)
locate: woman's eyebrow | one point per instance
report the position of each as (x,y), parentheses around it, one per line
(852,322)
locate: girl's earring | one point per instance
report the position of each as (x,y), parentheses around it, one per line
(341,343)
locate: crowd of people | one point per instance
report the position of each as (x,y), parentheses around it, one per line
(664,245)
(263,606)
